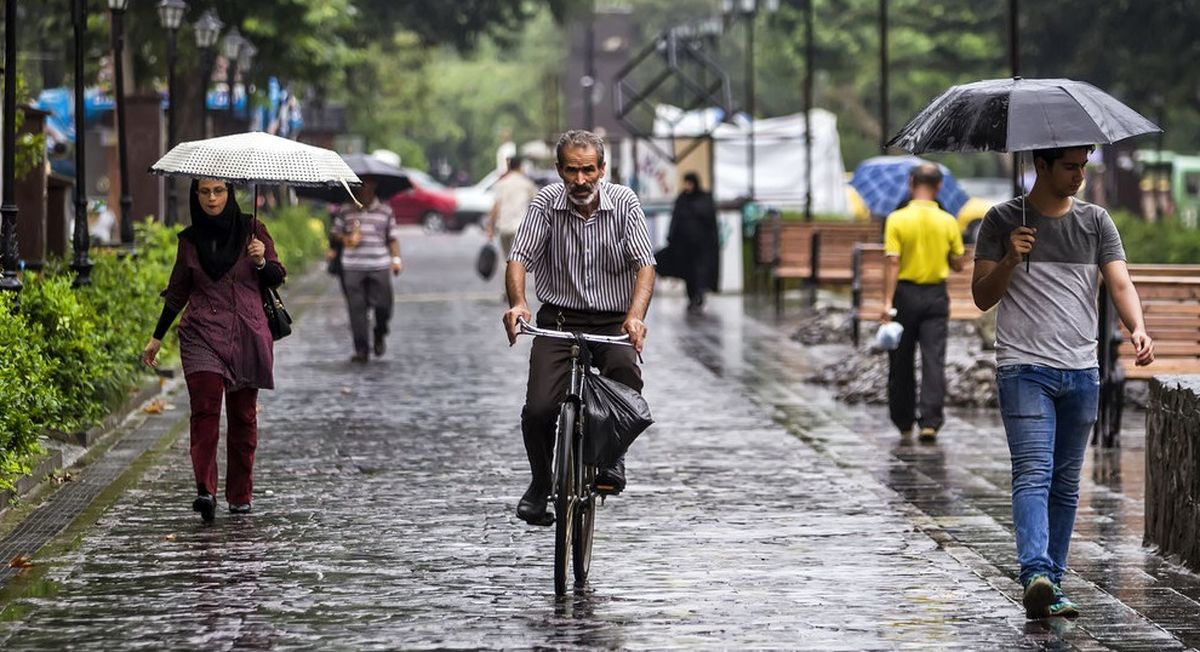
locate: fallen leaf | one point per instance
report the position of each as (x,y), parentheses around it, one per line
(154,407)
(20,561)
(169,537)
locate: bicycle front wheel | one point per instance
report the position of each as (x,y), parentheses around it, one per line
(585,525)
(565,496)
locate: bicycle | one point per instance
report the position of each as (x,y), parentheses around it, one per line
(574,490)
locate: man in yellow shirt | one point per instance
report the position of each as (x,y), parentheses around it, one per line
(923,244)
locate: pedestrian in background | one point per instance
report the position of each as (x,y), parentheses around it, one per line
(223,260)
(512,192)
(370,258)
(1046,367)
(693,240)
(923,244)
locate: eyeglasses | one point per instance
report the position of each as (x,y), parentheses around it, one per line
(212,192)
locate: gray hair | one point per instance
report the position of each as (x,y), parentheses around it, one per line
(580,138)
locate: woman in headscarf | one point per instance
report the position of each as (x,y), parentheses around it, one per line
(223,259)
(693,237)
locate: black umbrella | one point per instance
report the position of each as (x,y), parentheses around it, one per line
(388,178)
(1013,115)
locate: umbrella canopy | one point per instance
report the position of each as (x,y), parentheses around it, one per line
(257,158)
(388,178)
(1012,115)
(882,182)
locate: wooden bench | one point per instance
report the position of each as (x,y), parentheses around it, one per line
(867,288)
(817,253)
(1170,296)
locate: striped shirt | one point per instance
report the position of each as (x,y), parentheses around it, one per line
(584,263)
(375,222)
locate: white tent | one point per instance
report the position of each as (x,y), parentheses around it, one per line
(779,160)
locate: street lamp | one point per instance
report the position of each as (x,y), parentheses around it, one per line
(8,207)
(80,238)
(245,60)
(208,28)
(749,9)
(170,15)
(117,9)
(231,48)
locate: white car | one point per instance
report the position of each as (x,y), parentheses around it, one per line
(475,202)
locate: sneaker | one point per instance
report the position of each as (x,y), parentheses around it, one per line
(927,434)
(1039,595)
(242,508)
(1063,606)
(611,480)
(207,506)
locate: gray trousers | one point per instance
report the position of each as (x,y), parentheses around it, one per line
(364,291)
(923,310)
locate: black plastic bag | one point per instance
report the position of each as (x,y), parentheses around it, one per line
(485,264)
(615,416)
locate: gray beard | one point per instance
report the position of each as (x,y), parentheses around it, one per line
(582,202)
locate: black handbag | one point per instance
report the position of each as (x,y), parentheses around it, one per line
(485,263)
(615,415)
(278,319)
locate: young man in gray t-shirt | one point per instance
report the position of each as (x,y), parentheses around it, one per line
(1046,367)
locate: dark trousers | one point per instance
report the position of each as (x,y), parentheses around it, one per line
(549,377)
(205,391)
(697,282)
(923,310)
(366,290)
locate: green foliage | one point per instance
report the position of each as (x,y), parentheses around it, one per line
(30,400)
(1166,241)
(299,235)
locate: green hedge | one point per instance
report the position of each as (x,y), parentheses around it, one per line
(1166,241)
(70,356)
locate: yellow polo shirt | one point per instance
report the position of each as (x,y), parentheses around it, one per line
(924,237)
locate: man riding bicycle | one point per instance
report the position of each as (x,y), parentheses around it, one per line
(585,241)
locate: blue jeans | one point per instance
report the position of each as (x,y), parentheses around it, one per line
(1048,415)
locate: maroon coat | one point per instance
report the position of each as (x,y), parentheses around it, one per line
(224,329)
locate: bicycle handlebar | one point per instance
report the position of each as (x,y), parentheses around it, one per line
(525,328)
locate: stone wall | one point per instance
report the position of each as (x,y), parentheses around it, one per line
(1173,468)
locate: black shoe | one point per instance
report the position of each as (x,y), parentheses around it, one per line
(532,507)
(207,506)
(611,480)
(380,343)
(359,358)
(239,509)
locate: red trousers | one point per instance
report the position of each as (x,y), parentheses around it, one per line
(205,390)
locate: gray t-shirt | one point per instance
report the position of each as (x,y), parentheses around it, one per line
(1048,315)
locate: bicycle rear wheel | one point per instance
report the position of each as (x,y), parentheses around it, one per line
(565,496)
(585,525)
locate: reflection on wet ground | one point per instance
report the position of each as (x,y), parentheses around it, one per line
(760,514)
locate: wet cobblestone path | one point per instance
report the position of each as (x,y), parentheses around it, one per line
(760,513)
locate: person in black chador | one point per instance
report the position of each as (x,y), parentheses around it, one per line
(692,241)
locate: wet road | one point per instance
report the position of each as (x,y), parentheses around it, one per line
(760,513)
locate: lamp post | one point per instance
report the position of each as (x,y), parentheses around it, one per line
(117,9)
(80,238)
(208,28)
(749,9)
(170,16)
(810,50)
(8,207)
(231,47)
(883,75)
(1014,53)
(245,61)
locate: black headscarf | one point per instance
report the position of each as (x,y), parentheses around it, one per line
(219,239)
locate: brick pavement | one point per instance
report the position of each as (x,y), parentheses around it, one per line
(760,513)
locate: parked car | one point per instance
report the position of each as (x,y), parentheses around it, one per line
(427,202)
(475,201)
